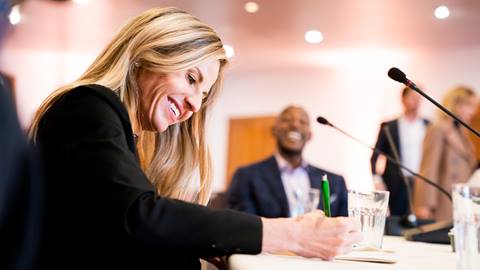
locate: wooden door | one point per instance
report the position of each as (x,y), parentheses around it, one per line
(249,140)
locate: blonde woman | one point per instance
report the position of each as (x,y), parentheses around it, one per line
(448,155)
(122,146)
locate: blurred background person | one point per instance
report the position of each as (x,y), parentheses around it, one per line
(448,155)
(275,187)
(407,132)
(20,182)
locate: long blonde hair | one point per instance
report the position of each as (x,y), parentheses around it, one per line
(453,98)
(160,40)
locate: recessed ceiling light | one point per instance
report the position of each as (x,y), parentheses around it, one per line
(251,7)
(229,51)
(313,36)
(15,16)
(442,12)
(81,1)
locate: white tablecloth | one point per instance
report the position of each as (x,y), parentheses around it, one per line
(411,256)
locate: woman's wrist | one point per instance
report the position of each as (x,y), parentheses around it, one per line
(279,235)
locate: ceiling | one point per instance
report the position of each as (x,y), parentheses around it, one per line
(273,35)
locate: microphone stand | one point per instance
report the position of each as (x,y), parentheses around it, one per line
(409,220)
(432,233)
(389,158)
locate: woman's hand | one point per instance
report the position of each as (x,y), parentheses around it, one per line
(423,212)
(311,235)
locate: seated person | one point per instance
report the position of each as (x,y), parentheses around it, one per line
(268,188)
(120,145)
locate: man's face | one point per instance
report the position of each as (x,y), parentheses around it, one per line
(292,130)
(411,102)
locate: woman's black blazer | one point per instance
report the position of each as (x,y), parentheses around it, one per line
(101,210)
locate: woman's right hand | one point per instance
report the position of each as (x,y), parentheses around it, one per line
(423,212)
(311,235)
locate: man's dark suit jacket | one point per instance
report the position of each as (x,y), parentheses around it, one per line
(258,189)
(20,192)
(398,202)
(103,213)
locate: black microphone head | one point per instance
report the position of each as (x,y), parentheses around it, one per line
(397,75)
(322,120)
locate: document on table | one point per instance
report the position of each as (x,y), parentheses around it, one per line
(377,256)
(365,254)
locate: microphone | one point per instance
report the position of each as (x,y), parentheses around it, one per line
(324,121)
(398,75)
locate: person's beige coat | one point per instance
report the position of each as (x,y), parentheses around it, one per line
(448,158)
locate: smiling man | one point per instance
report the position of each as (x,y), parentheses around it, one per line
(272,187)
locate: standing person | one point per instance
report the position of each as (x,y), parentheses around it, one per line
(273,187)
(20,183)
(407,133)
(121,144)
(448,155)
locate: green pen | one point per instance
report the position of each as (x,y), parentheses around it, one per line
(326,196)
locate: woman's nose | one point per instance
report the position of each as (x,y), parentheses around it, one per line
(194,102)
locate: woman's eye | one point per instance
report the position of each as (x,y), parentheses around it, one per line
(191,79)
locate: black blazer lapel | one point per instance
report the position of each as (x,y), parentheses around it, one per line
(315,178)
(272,176)
(394,130)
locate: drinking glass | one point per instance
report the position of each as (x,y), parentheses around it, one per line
(305,202)
(466,219)
(370,208)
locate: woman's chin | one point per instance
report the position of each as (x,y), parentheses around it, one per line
(161,127)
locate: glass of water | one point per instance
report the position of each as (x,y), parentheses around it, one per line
(305,201)
(370,208)
(312,200)
(466,217)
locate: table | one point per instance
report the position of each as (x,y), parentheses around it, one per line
(411,255)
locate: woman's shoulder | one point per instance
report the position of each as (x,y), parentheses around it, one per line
(441,125)
(86,106)
(440,128)
(95,94)
(87,110)
(92,99)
